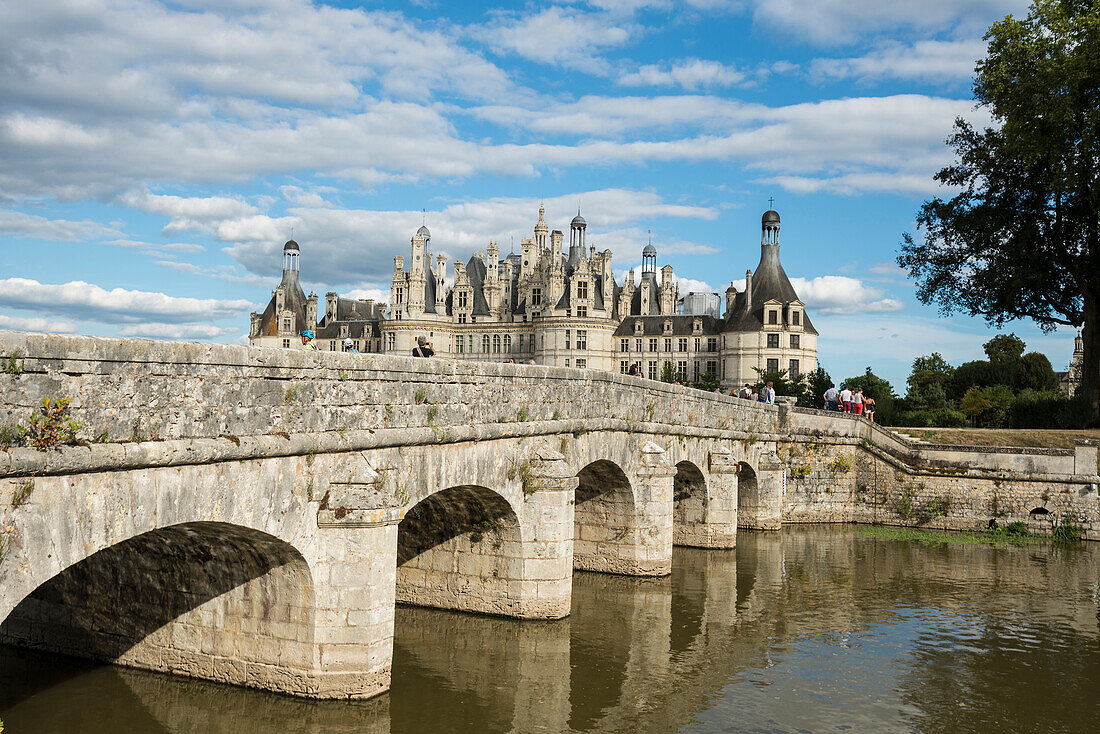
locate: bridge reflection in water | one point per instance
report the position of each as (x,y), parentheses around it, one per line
(810,628)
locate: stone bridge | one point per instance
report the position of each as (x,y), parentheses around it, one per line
(253,515)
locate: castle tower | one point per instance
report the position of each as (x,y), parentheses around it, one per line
(541,229)
(576,238)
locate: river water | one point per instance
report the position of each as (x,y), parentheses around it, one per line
(809,629)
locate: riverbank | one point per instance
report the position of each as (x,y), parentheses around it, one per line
(1015,536)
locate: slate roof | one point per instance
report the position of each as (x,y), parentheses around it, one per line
(769,283)
(295,303)
(681,325)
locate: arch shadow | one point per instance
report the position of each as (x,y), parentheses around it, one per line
(460,548)
(603,517)
(174,599)
(689,504)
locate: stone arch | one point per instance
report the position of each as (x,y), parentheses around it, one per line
(751,502)
(460,548)
(689,504)
(603,519)
(159,600)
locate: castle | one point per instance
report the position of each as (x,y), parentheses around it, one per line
(545,305)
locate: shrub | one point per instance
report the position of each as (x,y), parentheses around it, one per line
(54,426)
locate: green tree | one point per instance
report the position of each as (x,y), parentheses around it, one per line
(798,387)
(879,389)
(978,372)
(1021,238)
(1004,352)
(974,403)
(668,372)
(707,381)
(819,381)
(1034,372)
(928,371)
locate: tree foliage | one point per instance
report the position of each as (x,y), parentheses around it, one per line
(877,388)
(1021,238)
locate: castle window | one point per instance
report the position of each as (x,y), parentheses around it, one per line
(773,365)
(792,369)
(652,370)
(639,327)
(795,318)
(536,296)
(582,340)
(332,346)
(624,345)
(582,312)
(668,345)
(582,289)
(682,345)
(773,341)
(773,316)
(485,344)
(697,326)
(356,345)
(624,367)
(712,344)
(695,371)
(653,344)
(462,299)
(582,363)
(398,296)
(391,341)
(462,318)
(712,367)
(286,343)
(637,345)
(697,345)
(470,343)
(508,343)
(567,361)
(795,341)
(286,325)
(496,343)
(682,371)
(668,326)
(460,342)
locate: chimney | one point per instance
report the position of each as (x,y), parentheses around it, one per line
(748,290)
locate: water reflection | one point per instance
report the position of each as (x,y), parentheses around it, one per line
(808,629)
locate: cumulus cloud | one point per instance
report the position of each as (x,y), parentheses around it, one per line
(154,330)
(688,74)
(189,212)
(843,21)
(41,228)
(938,61)
(85,301)
(838,294)
(345,246)
(41,325)
(560,36)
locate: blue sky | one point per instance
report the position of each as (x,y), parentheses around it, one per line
(154,156)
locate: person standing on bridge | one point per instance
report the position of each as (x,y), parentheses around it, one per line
(423,347)
(349,346)
(768,393)
(307,341)
(832,397)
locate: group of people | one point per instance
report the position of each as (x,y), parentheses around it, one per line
(848,401)
(765,394)
(423,347)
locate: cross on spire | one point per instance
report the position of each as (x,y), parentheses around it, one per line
(771,202)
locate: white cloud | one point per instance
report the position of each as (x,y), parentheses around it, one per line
(560,36)
(842,21)
(921,61)
(41,228)
(838,294)
(193,213)
(154,330)
(85,301)
(41,325)
(688,74)
(342,246)
(887,268)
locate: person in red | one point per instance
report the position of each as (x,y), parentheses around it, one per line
(857,401)
(846,399)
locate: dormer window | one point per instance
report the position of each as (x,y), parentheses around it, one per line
(462,299)
(668,326)
(796,318)
(639,327)
(536,296)
(697,326)
(773,316)
(582,289)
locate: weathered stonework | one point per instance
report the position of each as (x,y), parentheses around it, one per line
(253,515)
